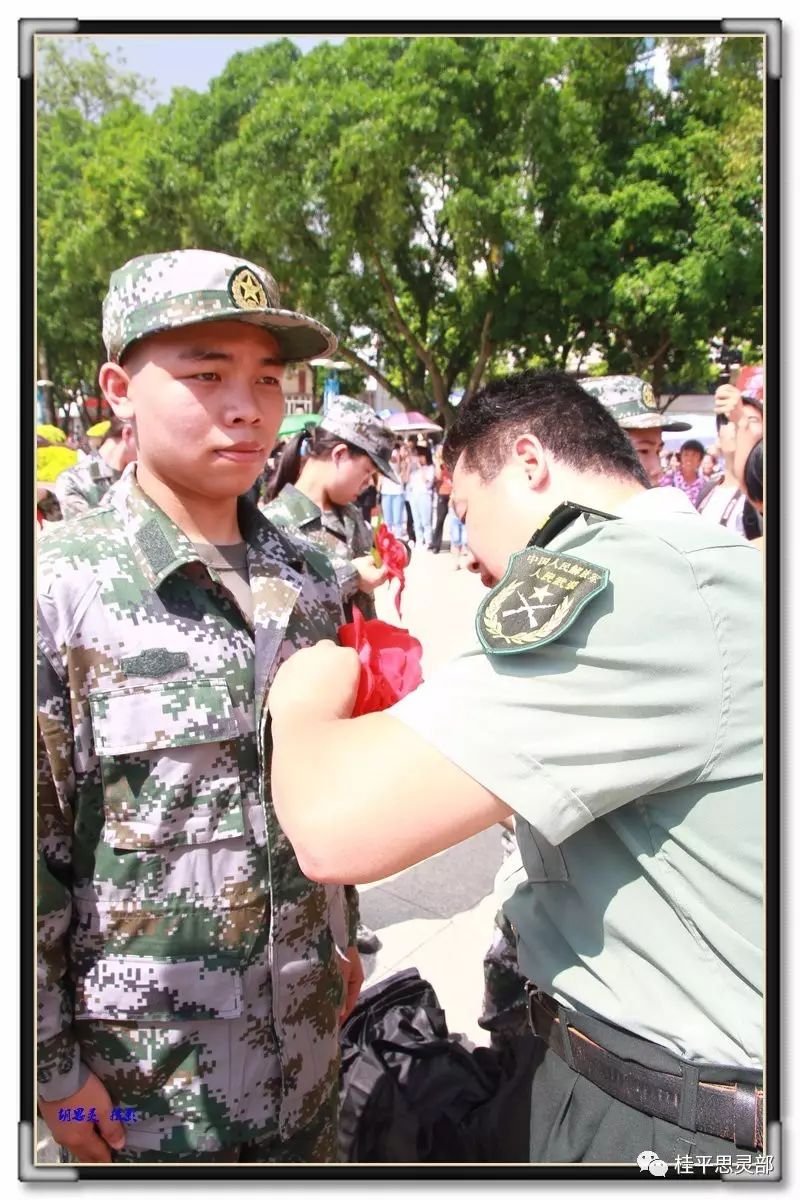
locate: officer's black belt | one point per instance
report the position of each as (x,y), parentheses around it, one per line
(734,1111)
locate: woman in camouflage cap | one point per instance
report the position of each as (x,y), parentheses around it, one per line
(320,474)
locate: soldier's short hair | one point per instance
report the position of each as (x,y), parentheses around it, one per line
(575,427)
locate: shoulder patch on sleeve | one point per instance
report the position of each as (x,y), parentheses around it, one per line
(539,597)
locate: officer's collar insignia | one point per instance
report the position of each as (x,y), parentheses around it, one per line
(539,597)
(648,397)
(246,290)
(562,516)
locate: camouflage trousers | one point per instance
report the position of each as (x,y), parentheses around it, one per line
(206,1087)
(314,1144)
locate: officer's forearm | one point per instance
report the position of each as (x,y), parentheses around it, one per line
(362,798)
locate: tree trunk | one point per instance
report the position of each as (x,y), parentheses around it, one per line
(49,407)
(658,363)
(484,353)
(351,357)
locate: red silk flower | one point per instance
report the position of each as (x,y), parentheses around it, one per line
(390,662)
(394,557)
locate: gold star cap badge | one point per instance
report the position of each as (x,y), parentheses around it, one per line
(648,396)
(246,289)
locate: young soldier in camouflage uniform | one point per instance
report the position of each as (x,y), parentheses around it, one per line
(320,474)
(188,971)
(632,403)
(82,487)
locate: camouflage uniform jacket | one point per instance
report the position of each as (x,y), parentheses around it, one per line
(341,532)
(163,872)
(82,487)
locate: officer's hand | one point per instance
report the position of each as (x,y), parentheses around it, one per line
(321,682)
(353,975)
(728,402)
(86,1141)
(370,576)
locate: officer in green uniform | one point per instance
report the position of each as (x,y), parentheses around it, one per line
(612,702)
(632,403)
(321,472)
(82,487)
(189,973)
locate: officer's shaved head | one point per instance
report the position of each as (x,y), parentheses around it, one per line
(574,426)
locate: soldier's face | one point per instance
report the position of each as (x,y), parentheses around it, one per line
(207,404)
(348,476)
(648,444)
(500,514)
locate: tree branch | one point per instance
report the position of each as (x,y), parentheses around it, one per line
(484,351)
(422,352)
(357,361)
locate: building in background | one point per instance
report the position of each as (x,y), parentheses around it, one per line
(298,388)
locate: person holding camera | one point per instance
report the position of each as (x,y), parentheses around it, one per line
(746,415)
(723,499)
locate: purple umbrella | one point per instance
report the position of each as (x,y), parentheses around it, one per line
(412,422)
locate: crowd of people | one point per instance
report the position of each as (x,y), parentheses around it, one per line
(724,482)
(207,803)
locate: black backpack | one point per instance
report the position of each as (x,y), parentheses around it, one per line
(413,1092)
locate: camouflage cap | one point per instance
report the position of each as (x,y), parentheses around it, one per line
(631,401)
(184,287)
(357,424)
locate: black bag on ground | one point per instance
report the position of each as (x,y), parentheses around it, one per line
(413,1092)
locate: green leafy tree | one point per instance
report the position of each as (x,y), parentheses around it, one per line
(381,181)
(686,226)
(79,94)
(73,73)
(452,207)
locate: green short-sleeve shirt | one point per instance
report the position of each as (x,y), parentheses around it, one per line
(630,748)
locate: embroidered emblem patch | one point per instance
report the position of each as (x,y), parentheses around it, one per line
(155,662)
(539,597)
(246,290)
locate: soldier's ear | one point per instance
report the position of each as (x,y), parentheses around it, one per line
(114,383)
(529,456)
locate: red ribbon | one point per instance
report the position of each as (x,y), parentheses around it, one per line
(390,662)
(394,557)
